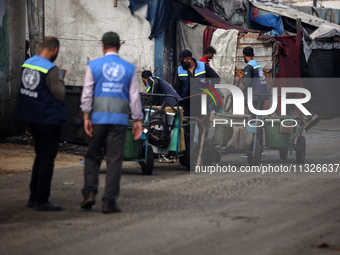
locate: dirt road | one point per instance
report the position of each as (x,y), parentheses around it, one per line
(173,212)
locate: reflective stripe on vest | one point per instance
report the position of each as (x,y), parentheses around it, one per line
(111,105)
(38,68)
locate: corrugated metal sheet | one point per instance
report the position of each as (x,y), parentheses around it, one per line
(263,54)
(292,13)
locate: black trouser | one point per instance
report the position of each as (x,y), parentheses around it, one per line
(114,136)
(46,148)
(258,104)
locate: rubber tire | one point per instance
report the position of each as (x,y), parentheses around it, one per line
(208,150)
(255,160)
(283,153)
(191,155)
(182,160)
(217,156)
(300,149)
(147,167)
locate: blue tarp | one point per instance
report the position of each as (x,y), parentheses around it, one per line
(266,18)
(158,14)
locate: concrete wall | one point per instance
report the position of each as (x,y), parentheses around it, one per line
(12,52)
(80,25)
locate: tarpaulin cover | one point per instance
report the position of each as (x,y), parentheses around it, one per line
(266,18)
(225,43)
(321,67)
(158,14)
(222,8)
(332,15)
(190,36)
(208,32)
(218,22)
(289,65)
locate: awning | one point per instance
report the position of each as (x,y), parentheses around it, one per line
(219,22)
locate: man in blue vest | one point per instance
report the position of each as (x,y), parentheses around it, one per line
(190,68)
(40,104)
(254,77)
(110,92)
(156,85)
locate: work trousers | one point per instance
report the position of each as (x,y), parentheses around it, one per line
(258,104)
(46,148)
(114,136)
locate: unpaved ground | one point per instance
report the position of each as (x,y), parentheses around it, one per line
(15,158)
(174,212)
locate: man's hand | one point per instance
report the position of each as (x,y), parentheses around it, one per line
(137,129)
(88,124)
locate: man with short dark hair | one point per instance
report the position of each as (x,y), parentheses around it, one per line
(110,92)
(40,104)
(209,53)
(254,77)
(156,85)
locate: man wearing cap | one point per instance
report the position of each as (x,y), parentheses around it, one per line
(110,92)
(190,68)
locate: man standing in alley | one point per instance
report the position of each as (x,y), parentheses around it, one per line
(254,78)
(110,91)
(40,104)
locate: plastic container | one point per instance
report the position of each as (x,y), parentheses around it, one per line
(132,149)
(275,135)
(227,129)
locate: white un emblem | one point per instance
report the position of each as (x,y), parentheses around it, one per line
(30,78)
(113,71)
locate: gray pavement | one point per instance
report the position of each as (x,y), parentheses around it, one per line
(174,212)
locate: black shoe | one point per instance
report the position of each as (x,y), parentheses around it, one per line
(30,203)
(47,207)
(88,201)
(110,207)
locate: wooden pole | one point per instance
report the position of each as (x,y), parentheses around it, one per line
(298,25)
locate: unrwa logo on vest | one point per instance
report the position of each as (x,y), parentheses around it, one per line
(113,71)
(30,78)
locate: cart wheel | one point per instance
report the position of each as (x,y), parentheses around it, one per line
(254,160)
(283,153)
(207,152)
(182,160)
(300,149)
(147,166)
(191,155)
(217,156)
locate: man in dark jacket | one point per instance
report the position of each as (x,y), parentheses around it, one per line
(40,104)
(254,77)
(156,85)
(190,68)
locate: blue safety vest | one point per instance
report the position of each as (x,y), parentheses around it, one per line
(112,76)
(259,83)
(183,76)
(36,104)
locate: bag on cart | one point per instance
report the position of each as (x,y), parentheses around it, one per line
(159,132)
